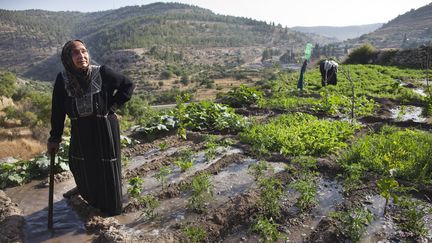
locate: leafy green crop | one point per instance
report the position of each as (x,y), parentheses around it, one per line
(271,193)
(202,191)
(353,223)
(307,187)
(411,217)
(299,134)
(161,176)
(20,172)
(135,186)
(202,116)
(407,153)
(184,160)
(194,234)
(211,116)
(369,82)
(267,229)
(258,170)
(242,96)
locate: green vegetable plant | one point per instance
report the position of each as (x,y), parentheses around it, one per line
(184,161)
(411,216)
(388,188)
(212,143)
(194,233)
(209,116)
(242,96)
(353,223)
(393,152)
(307,187)
(306,183)
(135,186)
(298,134)
(352,178)
(210,147)
(150,204)
(161,176)
(23,171)
(202,192)
(163,145)
(181,114)
(258,170)
(267,229)
(271,193)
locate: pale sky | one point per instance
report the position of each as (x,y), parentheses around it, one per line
(285,12)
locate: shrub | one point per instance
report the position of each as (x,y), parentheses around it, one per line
(136,107)
(7,84)
(166,74)
(364,54)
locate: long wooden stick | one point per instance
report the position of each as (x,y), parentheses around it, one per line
(51,191)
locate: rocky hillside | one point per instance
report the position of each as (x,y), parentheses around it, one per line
(30,40)
(409,30)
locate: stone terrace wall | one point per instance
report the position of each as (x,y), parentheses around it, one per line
(411,58)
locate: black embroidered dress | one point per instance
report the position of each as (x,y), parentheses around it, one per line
(94,153)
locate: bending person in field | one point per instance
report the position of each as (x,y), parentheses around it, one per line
(90,95)
(328,69)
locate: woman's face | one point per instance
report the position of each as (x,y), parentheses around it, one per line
(80,56)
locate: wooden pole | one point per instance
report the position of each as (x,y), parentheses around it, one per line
(51,191)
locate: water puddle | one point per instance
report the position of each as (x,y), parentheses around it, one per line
(382,226)
(232,180)
(329,194)
(407,113)
(153,154)
(33,201)
(151,184)
(426,82)
(420,91)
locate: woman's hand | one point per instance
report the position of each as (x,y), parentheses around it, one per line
(112,116)
(52,148)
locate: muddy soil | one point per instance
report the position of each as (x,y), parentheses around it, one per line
(11,220)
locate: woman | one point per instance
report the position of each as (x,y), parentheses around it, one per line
(89,95)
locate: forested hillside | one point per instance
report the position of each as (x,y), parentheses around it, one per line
(30,40)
